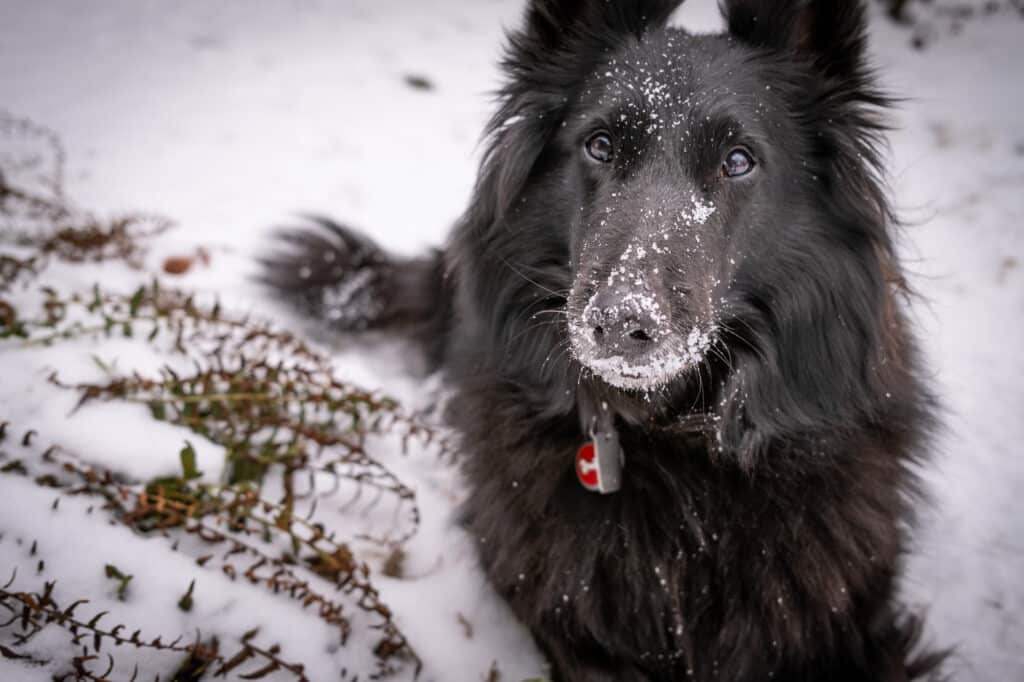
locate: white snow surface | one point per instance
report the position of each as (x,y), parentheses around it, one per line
(231,117)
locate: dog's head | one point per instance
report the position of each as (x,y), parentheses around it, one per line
(703,199)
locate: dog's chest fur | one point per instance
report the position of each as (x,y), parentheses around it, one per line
(690,563)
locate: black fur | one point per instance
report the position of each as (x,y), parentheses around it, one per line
(768,480)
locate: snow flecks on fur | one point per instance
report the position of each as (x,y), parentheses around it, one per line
(697,343)
(701,211)
(657,96)
(639,301)
(672,353)
(351,301)
(670,358)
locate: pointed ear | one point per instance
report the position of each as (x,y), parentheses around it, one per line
(561,39)
(830,34)
(549,23)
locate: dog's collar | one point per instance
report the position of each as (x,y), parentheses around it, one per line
(600,460)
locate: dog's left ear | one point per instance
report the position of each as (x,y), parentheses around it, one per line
(829,34)
(545,61)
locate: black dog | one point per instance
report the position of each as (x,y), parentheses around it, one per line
(670,320)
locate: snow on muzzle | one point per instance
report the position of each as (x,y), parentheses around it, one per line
(624,333)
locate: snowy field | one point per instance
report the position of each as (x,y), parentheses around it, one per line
(231,117)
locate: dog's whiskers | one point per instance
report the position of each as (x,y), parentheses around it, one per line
(757,350)
(536,325)
(532,281)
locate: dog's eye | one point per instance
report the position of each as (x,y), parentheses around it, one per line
(600,148)
(737,163)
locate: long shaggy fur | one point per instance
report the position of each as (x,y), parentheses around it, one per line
(767,489)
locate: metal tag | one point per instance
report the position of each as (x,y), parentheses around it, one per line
(599,463)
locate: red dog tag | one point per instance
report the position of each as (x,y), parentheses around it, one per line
(586,467)
(599,463)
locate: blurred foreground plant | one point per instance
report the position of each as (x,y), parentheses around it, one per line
(292,431)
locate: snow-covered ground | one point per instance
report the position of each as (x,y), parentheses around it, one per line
(231,117)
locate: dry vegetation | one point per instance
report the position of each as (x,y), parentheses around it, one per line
(275,406)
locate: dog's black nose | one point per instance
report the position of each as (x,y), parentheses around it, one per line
(625,322)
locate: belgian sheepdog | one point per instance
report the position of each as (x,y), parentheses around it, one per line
(671,323)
